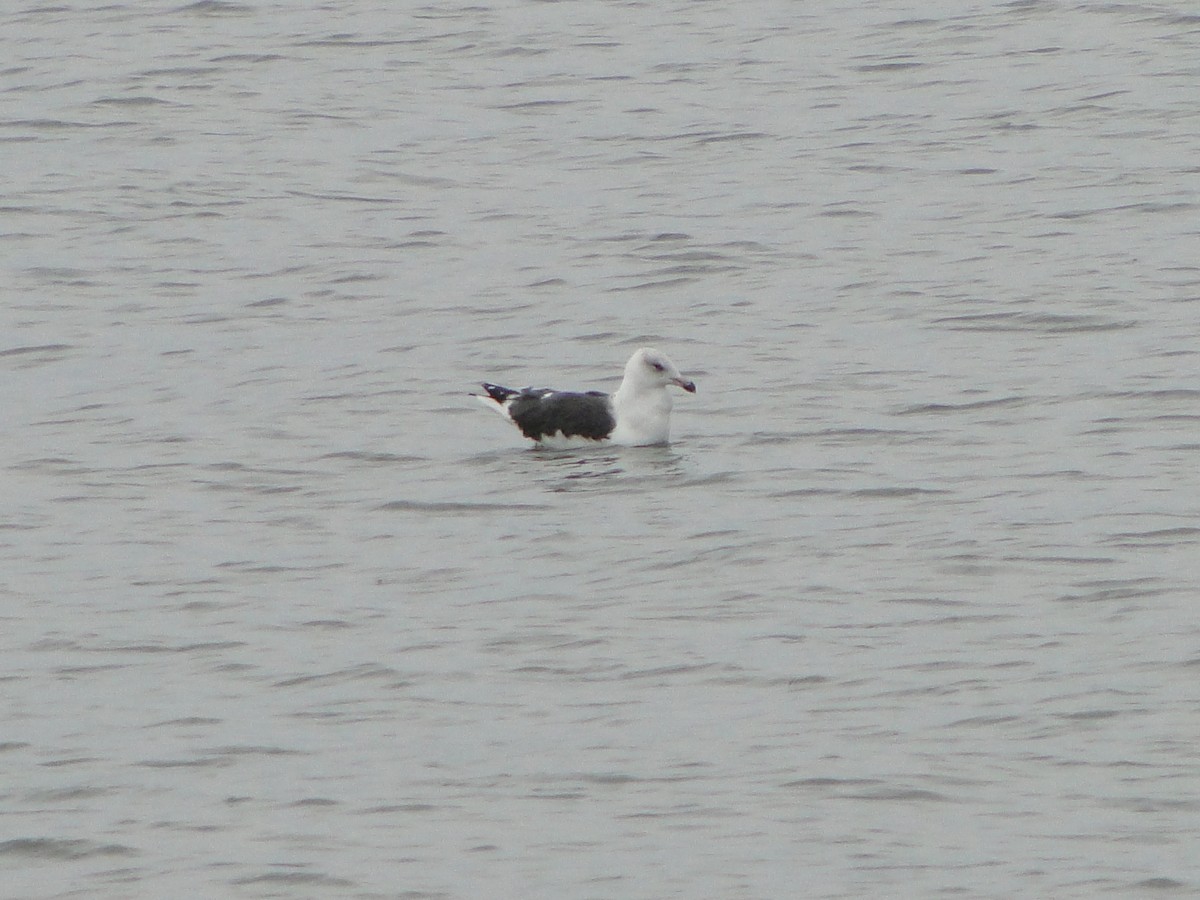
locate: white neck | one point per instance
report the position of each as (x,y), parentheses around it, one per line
(643,413)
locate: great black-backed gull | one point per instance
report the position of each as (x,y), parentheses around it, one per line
(637,414)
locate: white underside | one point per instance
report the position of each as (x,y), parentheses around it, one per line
(558,442)
(498,408)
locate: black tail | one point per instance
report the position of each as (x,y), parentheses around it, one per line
(498,393)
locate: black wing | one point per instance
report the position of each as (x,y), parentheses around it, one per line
(543,413)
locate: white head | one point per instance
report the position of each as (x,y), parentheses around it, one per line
(648,368)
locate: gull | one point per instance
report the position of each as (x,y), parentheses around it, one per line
(637,414)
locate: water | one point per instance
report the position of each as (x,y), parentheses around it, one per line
(907,608)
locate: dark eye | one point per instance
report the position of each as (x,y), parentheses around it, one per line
(658,367)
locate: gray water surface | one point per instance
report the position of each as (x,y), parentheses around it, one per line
(906,610)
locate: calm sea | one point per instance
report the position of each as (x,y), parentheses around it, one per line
(908,608)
